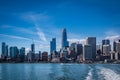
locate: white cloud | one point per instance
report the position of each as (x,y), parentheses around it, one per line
(112,35)
(41,34)
(36,17)
(27,50)
(112,38)
(16,37)
(19,37)
(20,29)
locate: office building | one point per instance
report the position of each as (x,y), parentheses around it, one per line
(22,54)
(114,46)
(79,49)
(118,47)
(14,52)
(33,48)
(53,45)
(106,50)
(65,43)
(4,50)
(45,56)
(11,52)
(105,42)
(87,52)
(92,41)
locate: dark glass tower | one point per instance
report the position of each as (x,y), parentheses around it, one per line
(65,43)
(33,48)
(53,45)
(4,50)
(92,41)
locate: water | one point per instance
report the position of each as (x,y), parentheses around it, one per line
(42,71)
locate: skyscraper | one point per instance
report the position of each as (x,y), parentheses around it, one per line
(4,50)
(53,45)
(14,52)
(33,48)
(79,49)
(11,52)
(87,52)
(106,50)
(32,52)
(22,54)
(105,42)
(65,43)
(92,41)
(118,47)
(114,46)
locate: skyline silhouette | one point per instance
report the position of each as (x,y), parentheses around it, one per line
(21,23)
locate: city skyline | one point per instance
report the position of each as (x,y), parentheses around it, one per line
(22,24)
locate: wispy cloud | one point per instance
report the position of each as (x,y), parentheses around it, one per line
(37,30)
(36,17)
(41,34)
(18,29)
(18,37)
(113,38)
(112,35)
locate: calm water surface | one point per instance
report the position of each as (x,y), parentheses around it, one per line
(48,71)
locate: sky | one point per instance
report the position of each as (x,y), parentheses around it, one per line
(23,22)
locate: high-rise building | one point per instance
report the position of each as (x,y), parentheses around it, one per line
(11,52)
(53,45)
(22,54)
(32,51)
(14,52)
(105,42)
(45,56)
(79,49)
(33,48)
(4,50)
(118,47)
(72,46)
(65,43)
(7,50)
(114,46)
(106,50)
(92,41)
(87,52)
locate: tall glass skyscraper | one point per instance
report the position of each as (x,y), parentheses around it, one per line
(65,43)
(32,52)
(105,42)
(92,41)
(53,45)
(33,48)
(4,50)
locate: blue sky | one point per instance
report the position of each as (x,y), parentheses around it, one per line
(41,20)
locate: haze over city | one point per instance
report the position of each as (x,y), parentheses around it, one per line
(24,22)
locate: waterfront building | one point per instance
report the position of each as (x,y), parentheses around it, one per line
(4,50)
(92,42)
(65,43)
(87,52)
(53,45)
(106,50)
(45,56)
(22,54)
